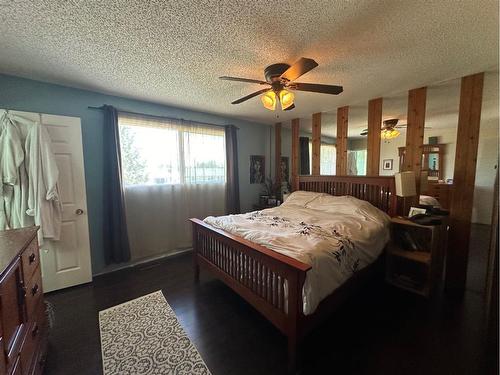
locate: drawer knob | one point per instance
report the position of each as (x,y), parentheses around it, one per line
(31,258)
(34,290)
(34,331)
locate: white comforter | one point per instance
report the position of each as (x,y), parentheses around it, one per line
(335,235)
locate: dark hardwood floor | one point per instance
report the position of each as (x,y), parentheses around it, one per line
(381,331)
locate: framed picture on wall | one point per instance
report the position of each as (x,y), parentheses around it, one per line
(257,169)
(285,174)
(387,164)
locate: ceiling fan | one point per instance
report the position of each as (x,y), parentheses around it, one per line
(281,78)
(389,129)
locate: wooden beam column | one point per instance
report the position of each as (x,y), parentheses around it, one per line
(342,124)
(469,117)
(277,153)
(415,132)
(373,143)
(316,144)
(295,154)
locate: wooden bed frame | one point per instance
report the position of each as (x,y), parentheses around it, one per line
(258,274)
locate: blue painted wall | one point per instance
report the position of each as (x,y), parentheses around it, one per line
(34,96)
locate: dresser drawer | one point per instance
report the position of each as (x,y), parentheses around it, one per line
(29,345)
(30,258)
(35,331)
(3,364)
(16,368)
(34,293)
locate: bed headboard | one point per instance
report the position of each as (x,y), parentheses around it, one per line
(379,191)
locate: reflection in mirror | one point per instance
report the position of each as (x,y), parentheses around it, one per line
(440,133)
(439,143)
(357,140)
(328,139)
(328,154)
(305,146)
(393,133)
(487,154)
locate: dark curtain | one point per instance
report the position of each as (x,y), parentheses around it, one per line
(116,244)
(304,155)
(232,183)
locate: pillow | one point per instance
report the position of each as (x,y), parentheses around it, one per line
(301,198)
(347,204)
(331,203)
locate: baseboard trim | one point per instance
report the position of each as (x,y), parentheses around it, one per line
(142,262)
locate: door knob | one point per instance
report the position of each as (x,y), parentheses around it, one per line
(79,211)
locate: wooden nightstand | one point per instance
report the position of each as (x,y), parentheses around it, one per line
(415,255)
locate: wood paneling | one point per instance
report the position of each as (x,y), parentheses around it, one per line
(277,152)
(469,117)
(316,143)
(295,153)
(342,124)
(373,143)
(415,132)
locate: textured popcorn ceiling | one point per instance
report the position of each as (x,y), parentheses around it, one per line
(172,52)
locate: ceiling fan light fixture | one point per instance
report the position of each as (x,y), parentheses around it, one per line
(389,134)
(269,100)
(286,99)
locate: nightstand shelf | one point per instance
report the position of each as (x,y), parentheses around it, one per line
(415,255)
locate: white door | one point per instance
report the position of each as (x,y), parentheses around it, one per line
(66,262)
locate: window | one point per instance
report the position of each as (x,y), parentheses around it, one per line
(162,151)
(328,159)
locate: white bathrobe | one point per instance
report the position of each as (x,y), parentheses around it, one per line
(43,195)
(38,196)
(11,166)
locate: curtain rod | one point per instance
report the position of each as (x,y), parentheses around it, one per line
(165,117)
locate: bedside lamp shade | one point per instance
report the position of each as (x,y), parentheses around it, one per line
(405,184)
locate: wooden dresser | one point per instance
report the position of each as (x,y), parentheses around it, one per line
(23,322)
(442,192)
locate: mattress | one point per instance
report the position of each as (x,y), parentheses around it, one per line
(336,236)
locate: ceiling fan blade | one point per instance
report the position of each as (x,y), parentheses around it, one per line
(290,108)
(313,87)
(299,68)
(250,96)
(247,80)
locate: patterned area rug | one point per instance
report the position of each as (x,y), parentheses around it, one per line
(143,336)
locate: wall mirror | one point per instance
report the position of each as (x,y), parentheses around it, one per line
(440,132)
(487,153)
(305,146)
(328,154)
(393,133)
(357,140)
